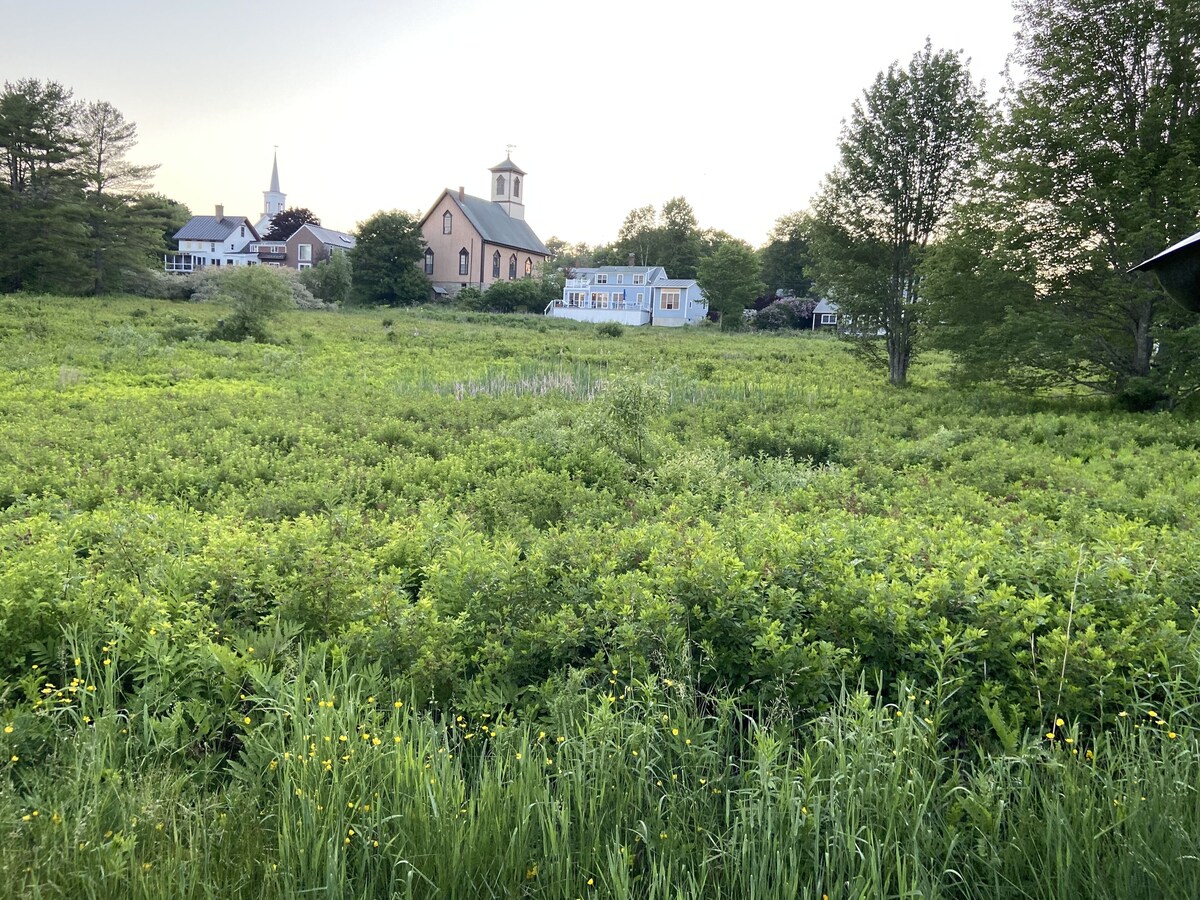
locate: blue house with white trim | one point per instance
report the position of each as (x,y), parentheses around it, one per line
(630,295)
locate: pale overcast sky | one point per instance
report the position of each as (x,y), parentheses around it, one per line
(376,105)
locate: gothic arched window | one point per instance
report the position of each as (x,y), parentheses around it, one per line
(496,264)
(428,262)
(512,266)
(528,266)
(516,186)
(447,223)
(500,185)
(464,261)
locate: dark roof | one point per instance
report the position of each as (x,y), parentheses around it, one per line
(507,166)
(210,228)
(495,225)
(1172,251)
(329,236)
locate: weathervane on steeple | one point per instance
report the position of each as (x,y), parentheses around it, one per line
(509,148)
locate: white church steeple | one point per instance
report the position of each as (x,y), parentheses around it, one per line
(274,200)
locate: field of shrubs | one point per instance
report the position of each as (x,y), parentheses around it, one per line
(432,604)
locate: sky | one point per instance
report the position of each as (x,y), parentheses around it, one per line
(381,104)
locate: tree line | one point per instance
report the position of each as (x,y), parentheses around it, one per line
(1004,233)
(76,214)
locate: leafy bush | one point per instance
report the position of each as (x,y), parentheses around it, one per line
(609,329)
(257,294)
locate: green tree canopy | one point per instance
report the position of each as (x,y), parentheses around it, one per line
(730,280)
(787,258)
(906,153)
(1095,166)
(384,261)
(72,216)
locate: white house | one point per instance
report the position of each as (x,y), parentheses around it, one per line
(217,240)
(630,295)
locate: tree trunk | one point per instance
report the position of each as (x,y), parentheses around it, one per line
(1143,340)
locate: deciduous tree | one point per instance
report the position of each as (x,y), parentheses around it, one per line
(787,258)
(288,222)
(910,144)
(730,280)
(384,261)
(1095,167)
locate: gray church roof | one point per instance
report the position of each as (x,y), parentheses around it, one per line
(210,228)
(497,227)
(507,166)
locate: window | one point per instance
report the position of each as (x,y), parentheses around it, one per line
(576,298)
(517,187)
(641,297)
(303,265)
(828,318)
(528,266)
(243,231)
(496,264)
(212,248)
(304,252)
(620,279)
(639,279)
(231,246)
(428,262)
(500,185)
(600,301)
(512,267)
(447,223)
(601,278)
(464,261)
(669,300)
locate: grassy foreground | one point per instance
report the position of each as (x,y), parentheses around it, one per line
(424,604)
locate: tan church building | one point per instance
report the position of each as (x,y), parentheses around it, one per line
(475,242)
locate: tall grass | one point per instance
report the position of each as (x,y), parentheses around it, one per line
(340,785)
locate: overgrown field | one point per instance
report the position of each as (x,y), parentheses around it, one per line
(444,605)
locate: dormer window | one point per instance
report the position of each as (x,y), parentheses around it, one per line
(517,186)
(447,223)
(500,185)
(464,261)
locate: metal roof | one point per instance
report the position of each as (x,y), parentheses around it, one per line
(675,282)
(329,236)
(825,306)
(507,166)
(210,228)
(496,226)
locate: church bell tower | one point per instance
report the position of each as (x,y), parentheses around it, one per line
(508,187)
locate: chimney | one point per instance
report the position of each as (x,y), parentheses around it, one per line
(462,193)
(632,260)
(220,212)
